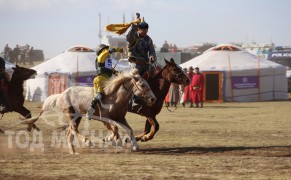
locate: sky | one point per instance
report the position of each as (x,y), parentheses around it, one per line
(56,25)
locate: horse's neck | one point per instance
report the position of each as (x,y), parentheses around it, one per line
(124,92)
(15,85)
(160,86)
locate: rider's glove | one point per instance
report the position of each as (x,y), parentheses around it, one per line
(153,59)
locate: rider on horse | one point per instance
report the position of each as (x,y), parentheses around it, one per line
(141,51)
(4,79)
(104,66)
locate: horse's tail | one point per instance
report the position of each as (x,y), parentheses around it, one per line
(50,102)
(47,105)
(32,120)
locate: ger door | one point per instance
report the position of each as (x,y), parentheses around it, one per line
(57,83)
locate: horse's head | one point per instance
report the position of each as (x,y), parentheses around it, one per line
(23,73)
(174,74)
(142,89)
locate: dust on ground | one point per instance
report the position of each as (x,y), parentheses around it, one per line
(219,141)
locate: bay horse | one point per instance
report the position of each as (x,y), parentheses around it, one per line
(15,92)
(160,84)
(75,101)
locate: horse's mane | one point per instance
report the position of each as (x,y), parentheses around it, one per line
(113,84)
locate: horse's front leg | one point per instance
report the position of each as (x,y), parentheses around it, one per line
(135,146)
(147,129)
(80,136)
(27,114)
(153,121)
(115,135)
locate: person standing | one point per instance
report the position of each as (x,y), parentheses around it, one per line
(16,52)
(174,94)
(26,55)
(197,85)
(188,89)
(182,89)
(141,51)
(6,52)
(30,59)
(10,55)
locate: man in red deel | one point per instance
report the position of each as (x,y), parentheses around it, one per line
(188,89)
(197,85)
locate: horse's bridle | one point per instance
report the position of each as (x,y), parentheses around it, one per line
(175,76)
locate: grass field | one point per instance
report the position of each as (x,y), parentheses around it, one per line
(220,141)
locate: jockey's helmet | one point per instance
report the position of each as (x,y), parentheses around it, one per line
(100,48)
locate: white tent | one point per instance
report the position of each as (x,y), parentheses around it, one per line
(252,79)
(76,66)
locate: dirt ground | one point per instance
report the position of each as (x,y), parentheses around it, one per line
(220,141)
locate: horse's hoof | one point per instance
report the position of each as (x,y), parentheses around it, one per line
(108,139)
(119,142)
(88,143)
(138,138)
(135,148)
(144,139)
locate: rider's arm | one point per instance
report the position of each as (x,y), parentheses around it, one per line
(152,52)
(131,35)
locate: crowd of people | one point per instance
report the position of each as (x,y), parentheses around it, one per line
(169,47)
(18,55)
(192,94)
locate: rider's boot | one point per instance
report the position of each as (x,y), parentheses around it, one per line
(90,112)
(91,109)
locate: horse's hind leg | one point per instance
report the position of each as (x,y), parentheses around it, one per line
(27,114)
(114,135)
(153,131)
(74,121)
(147,129)
(70,139)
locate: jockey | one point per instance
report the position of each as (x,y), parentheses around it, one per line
(104,66)
(141,51)
(4,79)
